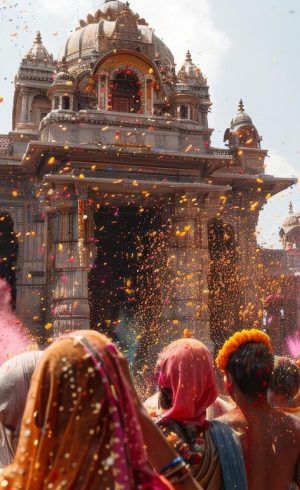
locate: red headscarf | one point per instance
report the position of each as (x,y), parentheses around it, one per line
(185,366)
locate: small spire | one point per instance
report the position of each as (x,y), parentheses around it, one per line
(241,106)
(291,209)
(64,66)
(127,4)
(188,56)
(38,39)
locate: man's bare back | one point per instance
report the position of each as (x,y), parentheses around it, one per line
(271,446)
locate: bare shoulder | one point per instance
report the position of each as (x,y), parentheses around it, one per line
(296,423)
(234,418)
(287,428)
(290,420)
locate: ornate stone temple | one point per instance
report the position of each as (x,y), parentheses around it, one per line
(282,305)
(115,208)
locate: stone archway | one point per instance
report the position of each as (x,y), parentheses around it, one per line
(126,92)
(125,300)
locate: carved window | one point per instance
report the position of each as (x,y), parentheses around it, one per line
(184,112)
(66,103)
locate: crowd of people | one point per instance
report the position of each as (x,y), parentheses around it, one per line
(71,418)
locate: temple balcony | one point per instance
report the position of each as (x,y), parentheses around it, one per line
(98,127)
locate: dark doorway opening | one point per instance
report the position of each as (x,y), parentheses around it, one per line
(224,284)
(8,254)
(125,279)
(126,92)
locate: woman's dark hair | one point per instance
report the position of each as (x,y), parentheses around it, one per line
(165,398)
(251,368)
(286,378)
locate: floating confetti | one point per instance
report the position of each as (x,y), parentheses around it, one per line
(51,161)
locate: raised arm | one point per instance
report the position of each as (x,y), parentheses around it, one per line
(160,453)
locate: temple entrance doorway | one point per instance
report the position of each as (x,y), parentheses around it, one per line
(124,282)
(126,96)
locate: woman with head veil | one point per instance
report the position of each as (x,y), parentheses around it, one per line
(80,428)
(187,388)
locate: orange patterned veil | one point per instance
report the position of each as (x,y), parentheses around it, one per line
(80,428)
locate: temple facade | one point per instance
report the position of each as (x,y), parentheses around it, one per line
(282,305)
(116,210)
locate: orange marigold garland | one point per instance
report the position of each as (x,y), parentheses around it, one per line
(235,341)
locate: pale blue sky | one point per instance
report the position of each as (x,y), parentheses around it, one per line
(246,49)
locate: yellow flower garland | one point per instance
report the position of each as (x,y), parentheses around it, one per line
(239,338)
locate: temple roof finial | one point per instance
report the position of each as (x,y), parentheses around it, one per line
(38,39)
(291,209)
(241,106)
(64,66)
(188,56)
(38,53)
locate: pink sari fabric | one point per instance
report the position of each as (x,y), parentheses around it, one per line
(185,366)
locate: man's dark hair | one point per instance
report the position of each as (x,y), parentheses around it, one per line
(165,398)
(286,378)
(251,367)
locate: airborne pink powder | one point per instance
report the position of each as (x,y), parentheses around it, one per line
(293,343)
(13,336)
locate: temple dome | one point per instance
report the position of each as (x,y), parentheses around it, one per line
(63,77)
(85,42)
(242,131)
(241,118)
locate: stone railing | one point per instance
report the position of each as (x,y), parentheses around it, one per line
(219,151)
(4,144)
(202,93)
(110,118)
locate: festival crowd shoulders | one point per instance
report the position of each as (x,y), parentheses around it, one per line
(71,418)
(82,427)
(241,448)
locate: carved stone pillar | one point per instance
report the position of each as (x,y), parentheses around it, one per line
(189,301)
(68,260)
(24,107)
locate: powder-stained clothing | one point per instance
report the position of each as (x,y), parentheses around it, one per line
(15,376)
(196,446)
(80,429)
